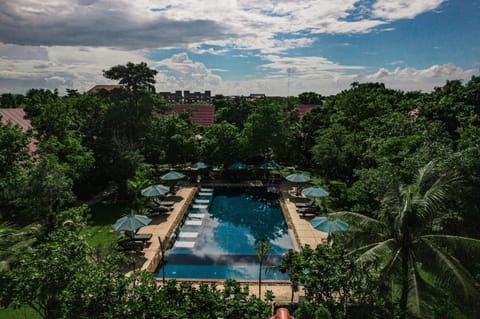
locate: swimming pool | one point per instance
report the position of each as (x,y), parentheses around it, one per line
(217,239)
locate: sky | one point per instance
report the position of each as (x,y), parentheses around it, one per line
(239,47)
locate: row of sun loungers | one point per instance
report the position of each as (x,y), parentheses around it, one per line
(187,239)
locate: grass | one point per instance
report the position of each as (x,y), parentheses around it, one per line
(103,215)
(24,312)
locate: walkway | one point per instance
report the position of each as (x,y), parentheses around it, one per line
(164,225)
(303,232)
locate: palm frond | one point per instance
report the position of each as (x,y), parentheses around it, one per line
(449,271)
(470,246)
(359,220)
(413,303)
(376,252)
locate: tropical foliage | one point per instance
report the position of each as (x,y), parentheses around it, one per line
(362,143)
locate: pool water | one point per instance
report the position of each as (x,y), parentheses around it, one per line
(218,241)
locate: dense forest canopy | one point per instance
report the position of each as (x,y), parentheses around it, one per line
(362,143)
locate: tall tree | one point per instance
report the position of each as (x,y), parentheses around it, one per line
(262,250)
(402,240)
(135,77)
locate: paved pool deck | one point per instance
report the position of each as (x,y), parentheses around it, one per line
(164,225)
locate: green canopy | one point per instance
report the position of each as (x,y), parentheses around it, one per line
(270,165)
(329,226)
(155,190)
(238,165)
(297,178)
(172,176)
(200,165)
(131,222)
(315,191)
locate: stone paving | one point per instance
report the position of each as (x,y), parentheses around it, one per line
(302,233)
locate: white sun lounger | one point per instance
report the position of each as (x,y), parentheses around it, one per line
(184,244)
(194,215)
(199,206)
(193,223)
(206,189)
(205,194)
(202,201)
(186,234)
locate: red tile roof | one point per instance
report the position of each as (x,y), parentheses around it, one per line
(19,117)
(107,87)
(202,114)
(304,108)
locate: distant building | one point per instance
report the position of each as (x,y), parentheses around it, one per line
(176,97)
(202,114)
(304,108)
(257,95)
(19,117)
(106,87)
(187,97)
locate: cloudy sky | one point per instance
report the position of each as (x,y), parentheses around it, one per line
(238,47)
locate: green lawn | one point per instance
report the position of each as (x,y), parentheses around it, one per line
(23,312)
(102,216)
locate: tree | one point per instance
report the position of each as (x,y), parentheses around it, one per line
(171,140)
(402,240)
(292,266)
(48,192)
(310,98)
(331,279)
(265,131)
(221,144)
(135,77)
(15,243)
(262,250)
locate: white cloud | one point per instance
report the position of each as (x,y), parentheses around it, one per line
(401,9)
(418,79)
(81,68)
(241,24)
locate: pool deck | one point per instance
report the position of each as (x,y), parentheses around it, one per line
(164,226)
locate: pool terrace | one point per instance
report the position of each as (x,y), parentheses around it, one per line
(165,225)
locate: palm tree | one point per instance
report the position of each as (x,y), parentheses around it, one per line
(262,250)
(403,243)
(14,242)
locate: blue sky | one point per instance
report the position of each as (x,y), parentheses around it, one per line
(237,47)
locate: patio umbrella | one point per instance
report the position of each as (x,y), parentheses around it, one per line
(200,165)
(315,191)
(131,223)
(238,165)
(329,226)
(155,190)
(270,165)
(297,178)
(172,176)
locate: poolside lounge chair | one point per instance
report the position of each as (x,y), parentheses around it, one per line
(164,202)
(308,210)
(130,245)
(305,204)
(140,237)
(155,210)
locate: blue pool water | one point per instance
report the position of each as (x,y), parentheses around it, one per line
(221,241)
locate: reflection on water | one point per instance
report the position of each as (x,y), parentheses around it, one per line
(231,228)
